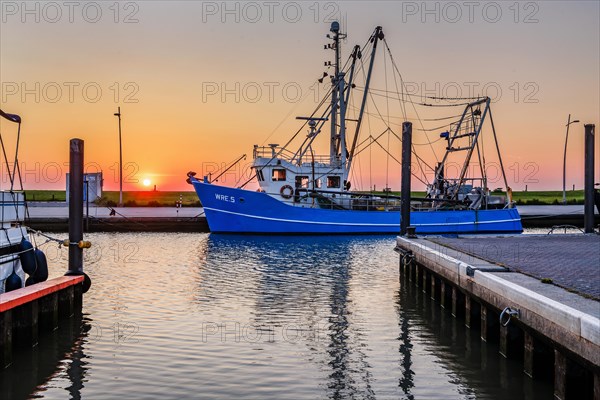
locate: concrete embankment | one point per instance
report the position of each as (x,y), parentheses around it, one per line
(53,217)
(536,296)
(548,216)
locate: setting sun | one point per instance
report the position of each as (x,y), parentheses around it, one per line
(146,182)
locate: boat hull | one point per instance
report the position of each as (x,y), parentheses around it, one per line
(231,210)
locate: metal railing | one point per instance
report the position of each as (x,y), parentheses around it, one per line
(284,154)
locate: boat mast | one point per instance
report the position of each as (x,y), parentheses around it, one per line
(377,35)
(335,94)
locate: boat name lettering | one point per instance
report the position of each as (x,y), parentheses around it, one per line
(223,197)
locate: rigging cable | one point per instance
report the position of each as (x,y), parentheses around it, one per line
(414,108)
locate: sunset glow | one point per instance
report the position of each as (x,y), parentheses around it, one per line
(195,96)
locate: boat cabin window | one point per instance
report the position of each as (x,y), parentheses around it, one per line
(333,181)
(278,175)
(260,176)
(302,182)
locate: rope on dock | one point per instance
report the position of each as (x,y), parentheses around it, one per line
(48,237)
(82,244)
(113,212)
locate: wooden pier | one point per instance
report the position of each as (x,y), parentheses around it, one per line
(536,296)
(27,312)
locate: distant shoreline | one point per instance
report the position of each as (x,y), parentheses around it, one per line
(151,198)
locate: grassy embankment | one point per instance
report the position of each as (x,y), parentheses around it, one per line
(189,199)
(537,198)
(130,199)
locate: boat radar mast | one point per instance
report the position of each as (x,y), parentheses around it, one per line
(337,141)
(339,155)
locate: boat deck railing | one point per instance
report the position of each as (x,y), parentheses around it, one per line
(274,151)
(356,201)
(361,201)
(12,206)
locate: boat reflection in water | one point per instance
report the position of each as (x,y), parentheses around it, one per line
(300,294)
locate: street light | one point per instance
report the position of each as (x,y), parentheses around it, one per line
(564,199)
(118,114)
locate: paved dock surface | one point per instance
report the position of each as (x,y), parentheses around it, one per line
(571,261)
(60,210)
(493,273)
(54,216)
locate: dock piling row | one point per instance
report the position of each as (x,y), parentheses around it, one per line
(551,347)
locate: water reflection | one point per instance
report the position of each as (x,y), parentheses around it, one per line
(406,380)
(59,358)
(261,317)
(475,368)
(300,283)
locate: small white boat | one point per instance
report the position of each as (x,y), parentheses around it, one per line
(18,257)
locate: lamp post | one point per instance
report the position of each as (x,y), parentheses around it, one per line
(118,114)
(564,199)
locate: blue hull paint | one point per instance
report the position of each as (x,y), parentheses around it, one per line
(230,210)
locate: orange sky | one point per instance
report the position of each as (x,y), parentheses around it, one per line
(167,63)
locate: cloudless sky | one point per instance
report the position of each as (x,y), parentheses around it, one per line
(199,82)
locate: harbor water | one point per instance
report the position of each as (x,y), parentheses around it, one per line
(179,316)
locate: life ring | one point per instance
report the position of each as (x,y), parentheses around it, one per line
(286,192)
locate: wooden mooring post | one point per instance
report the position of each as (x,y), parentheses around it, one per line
(589,178)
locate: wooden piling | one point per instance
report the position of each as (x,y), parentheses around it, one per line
(528,355)
(468,311)
(75,206)
(560,375)
(442,294)
(597,384)
(6,336)
(484,323)
(589,179)
(405,185)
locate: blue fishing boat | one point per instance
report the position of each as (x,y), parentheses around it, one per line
(303,193)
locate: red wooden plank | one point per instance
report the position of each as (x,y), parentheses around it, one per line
(24,295)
